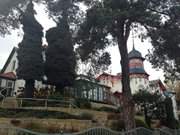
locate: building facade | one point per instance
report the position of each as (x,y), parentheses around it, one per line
(8,77)
(139,79)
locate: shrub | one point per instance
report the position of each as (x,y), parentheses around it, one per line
(141,123)
(35,127)
(108,109)
(56,95)
(86,116)
(114,116)
(15,122)
(119,125)
(83,103)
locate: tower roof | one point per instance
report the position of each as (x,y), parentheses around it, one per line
(135,54)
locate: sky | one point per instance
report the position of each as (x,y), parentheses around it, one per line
(9,41)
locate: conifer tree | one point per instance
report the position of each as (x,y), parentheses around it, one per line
(60,57)
(30,51)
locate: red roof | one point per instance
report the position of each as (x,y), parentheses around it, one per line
(107,74)
(9,75)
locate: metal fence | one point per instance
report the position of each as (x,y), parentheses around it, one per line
(6,130)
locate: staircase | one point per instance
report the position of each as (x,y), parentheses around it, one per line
(9,102)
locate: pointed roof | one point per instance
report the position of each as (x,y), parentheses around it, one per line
(9,76)
(9,59)
(135,54)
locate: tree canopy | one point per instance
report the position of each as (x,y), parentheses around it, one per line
(118,18)
(30,61)
(60,57)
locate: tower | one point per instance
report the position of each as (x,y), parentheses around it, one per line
(139,79)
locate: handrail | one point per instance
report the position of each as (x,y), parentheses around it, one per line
(70,102)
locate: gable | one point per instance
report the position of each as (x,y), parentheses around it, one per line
(11,63)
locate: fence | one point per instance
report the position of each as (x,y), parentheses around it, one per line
(34,102)
(6,130)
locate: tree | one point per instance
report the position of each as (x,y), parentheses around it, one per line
(10,12)
(166,44)
(148,101)
(30,51)
(60,57)
(117,19)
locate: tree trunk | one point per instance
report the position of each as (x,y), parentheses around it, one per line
(128,103)
(29,88)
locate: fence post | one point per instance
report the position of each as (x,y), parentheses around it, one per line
(21,102)
(46,103)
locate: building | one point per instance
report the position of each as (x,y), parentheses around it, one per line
(8,77)
(139,78)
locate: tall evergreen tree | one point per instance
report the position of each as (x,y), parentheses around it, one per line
(60,57)
(30,51)
(117,18)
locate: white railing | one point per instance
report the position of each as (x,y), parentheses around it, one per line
(33,102)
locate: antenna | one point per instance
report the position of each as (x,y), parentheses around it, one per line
(133,36)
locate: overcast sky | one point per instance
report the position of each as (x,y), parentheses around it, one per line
(12,40)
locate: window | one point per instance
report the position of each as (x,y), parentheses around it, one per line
(136,81)
(140,79)
(9,84)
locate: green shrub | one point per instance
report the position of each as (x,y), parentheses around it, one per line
(114,116)
(86,116)
(108,109)
(15,122)
(141,123)
(83,103)
(35,127)
(119,125)
(56,95)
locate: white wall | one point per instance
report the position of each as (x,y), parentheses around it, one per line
(136,83)
(10,65)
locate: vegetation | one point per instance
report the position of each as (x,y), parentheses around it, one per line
(112,21)
(118,19)
(60,57)
(83,103)
(23,113)
(119,125)
(30,59)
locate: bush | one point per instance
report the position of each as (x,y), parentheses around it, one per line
(141,123)
(108,109)
(86,116)
(15,122)
(35,127)
(23,113)
(119,125)
(57,96)
(83,103)
(114,116)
